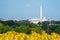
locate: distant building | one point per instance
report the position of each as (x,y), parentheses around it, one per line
(37,20)
(16,20)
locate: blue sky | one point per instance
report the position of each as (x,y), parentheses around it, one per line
(25,9)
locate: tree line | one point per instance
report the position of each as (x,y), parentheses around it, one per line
(26,26)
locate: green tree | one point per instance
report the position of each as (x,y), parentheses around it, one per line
(23,28)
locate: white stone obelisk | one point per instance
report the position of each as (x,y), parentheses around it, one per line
(41,14)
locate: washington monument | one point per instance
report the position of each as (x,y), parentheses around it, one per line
(41,14)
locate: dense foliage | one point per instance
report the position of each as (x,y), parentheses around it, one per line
(25,26)
(50,27)
(19,26)
(12,35)
(25,30)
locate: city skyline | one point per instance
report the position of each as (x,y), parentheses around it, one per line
(24,9)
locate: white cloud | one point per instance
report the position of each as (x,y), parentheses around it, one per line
(28,5)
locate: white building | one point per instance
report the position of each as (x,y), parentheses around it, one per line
(37,20)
